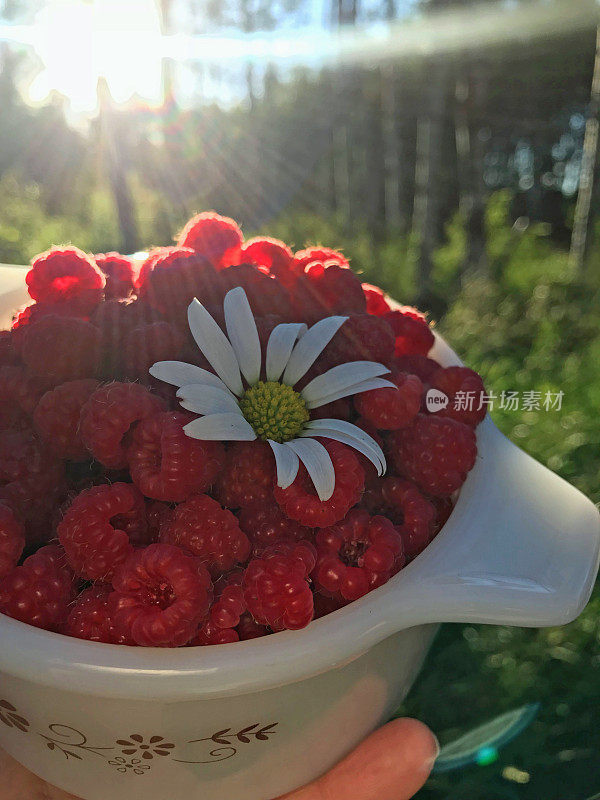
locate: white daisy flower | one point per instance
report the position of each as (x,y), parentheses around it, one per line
(237,406)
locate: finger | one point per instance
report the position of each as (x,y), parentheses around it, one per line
(391,764)
(19,784)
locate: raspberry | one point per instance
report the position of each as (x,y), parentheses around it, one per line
(12,539)
(327,289)
(305,257)
(443,508)
(301,503)
(361,338)
(326,605)
(434,452)
(209,633)
(37,311)
(155,255)
(9,355)
(208,531)
(390,409)
(66,275)
(109,414)
(56,418)
(277,592)
(249,628)
(265,294)
(424,368)
(89,617)
(225,613)
(62,348)
(266,524)
(376,302)
(19,395)
(119,274)
(148,344)
(115,320)
(413,334)
(157,515)
(217,238)
(175,279)
(270,254)
(357,555)
(248,476)
(404,505)
(453,380)
(168,465)
(161,595)
(100,527)
(337,409)
(40,591)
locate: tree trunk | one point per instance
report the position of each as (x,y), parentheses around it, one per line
(581,220)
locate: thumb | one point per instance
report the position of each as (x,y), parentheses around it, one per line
(391,764)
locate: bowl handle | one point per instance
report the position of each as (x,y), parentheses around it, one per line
(521,547)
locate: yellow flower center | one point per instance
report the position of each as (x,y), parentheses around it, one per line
(274,410)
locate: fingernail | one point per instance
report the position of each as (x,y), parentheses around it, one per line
(434,757)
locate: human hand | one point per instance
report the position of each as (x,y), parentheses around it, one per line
(391,764)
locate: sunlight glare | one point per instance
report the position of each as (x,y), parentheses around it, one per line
(79,41)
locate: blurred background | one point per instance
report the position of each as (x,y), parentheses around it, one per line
(449,148)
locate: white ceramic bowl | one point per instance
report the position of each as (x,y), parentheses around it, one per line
(252,720)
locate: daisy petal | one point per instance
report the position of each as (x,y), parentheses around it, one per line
(179,373)
(318,464)
(207,400)
(369,449)
(341,377)
(242,333)
(310,347)
(224,427)
(287,463)
(279,348)
(363,386)
(347,429)
(215,346)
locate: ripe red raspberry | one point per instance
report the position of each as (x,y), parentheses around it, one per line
(115,319)
(305,257)
(168,465)
(155,255)
(337,409)
(361,338)
(265,294)
(209,633)
(376,302)
(248,475)
(326,605)
(40,591)
(158,514)
(326,289)
(146,345)
(20,392)
(175,279)
(56,418)
(434,452)
(12,539)
(217,238)
(249,628)
(424,368)
(229,604)
(357,555)
(119,274)
(108,416)
(9,355)
(208,531)
(277,592)
(300,501)
(443,508)
(266,524)
(66,275)
(270,254)
(404,505)
(390,409)
(161,595)
(465,383)
(34,313)
(62,348)
(413,334)
(89,617)
(100,527)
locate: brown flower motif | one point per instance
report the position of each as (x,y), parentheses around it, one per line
(135,765)
(9,716)
(155,746)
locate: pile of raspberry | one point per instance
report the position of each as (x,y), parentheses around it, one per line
(116,527)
